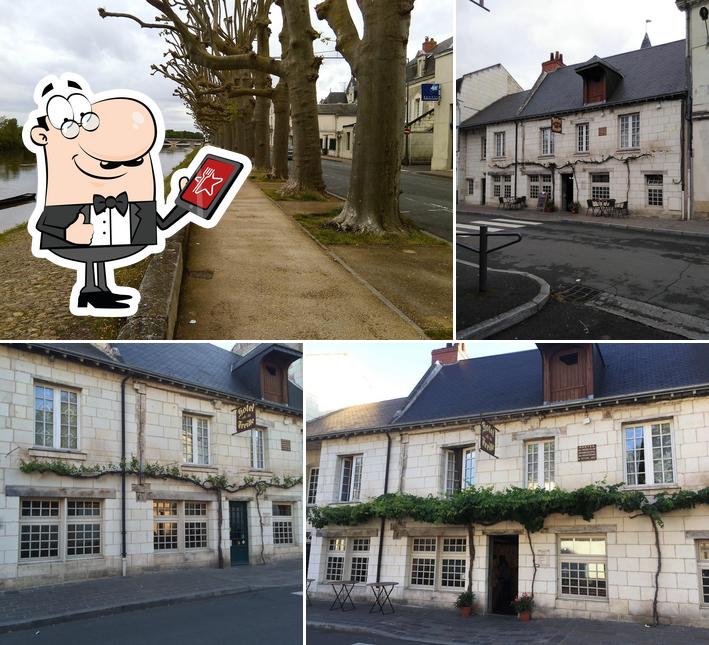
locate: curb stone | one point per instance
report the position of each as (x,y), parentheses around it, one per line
(358,629)
(132,606)
(505,320)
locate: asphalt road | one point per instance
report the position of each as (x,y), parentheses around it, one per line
(245,619)
(665,270)
(425,199)
(331,637)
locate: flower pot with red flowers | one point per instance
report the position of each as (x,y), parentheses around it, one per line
(465,603)
(523,605)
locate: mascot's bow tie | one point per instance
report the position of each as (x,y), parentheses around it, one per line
(101,203)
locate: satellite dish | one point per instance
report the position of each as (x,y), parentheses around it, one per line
(704,13)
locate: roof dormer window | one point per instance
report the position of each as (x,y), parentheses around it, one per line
(600,80)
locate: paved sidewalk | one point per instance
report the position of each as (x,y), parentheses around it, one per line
(698,228)
(59,603)
(446,626)
(258,275)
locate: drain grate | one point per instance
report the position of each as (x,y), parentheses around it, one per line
(577,292)
(201,275)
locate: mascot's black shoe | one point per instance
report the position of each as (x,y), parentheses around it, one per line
(102,300)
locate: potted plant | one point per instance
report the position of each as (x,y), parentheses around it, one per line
(575,208)
(549,206)
(523,605)
(465,603)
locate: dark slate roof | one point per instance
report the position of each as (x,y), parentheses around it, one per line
(510,383)
(429,67)
(367,415)
(197,364)
(648,73)
(338,109)
(335,97)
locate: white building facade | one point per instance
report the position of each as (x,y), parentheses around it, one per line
(601,569)
(66,513)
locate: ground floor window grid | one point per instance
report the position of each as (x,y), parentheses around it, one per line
(582,566)
(348,557)
(438,562)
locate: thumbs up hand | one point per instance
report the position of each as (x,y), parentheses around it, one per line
(79,232)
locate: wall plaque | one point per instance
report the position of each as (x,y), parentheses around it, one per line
(587,453)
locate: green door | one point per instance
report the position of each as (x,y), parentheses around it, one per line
(239,533)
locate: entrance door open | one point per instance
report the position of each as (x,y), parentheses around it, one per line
(502,576)
(567,191)
(482,192)
(239,533)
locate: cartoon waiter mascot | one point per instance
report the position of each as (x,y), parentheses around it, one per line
(100,201)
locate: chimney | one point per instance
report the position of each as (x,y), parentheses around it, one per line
(428,45)
(450,354)
(556,61)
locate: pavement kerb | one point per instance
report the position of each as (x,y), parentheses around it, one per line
(134,606)
(333,256)
(359,629)
(505,320)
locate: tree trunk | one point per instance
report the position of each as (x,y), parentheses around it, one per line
(378,62)
(281,130)
(262,158)
(301,68)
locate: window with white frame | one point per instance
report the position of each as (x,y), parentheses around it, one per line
(508,185)
(547,142)
(629,130)
(533,186)
(282,523)
(195,531)
(179,525)
(439,562)
(483,148)
(540,464)
(582,566)
(350,478)
(348,558)
(582,137)
(499,144)
(471,186)
(459,468)
(195,439)
(546,184)
(47,524)
(655,196)
(258,457)
(600,185)
(648,453)
(703,570)
(313,477)
(497,186)
(56,417)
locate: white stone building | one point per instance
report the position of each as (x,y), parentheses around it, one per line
(168,411)
(608,128)
(567,415)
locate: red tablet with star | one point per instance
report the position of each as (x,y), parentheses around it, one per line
(207,187)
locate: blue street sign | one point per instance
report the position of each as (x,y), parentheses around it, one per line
(430,91)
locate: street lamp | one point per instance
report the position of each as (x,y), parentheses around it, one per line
(480,3)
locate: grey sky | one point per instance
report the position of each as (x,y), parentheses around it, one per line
(40,37)
(521,33)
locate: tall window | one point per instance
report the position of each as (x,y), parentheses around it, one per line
(483,148)
(540,464)
(164,525)
(313,485)
(654,190)
(533,186)
(629,130)
(547,146)
(195,530)
(282,523)
(499,144)
(438,562)
(703,565)
(600,185)
(459,468)
(54,529)
(258,461)
(508,185)
(648,454)
(582,566)
(56,417)
(471,186)
(195,439)
(497,186)
(172,519)
(582,138)
(335,563)
(350,478)
(348,557)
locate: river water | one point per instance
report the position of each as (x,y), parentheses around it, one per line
(18,174)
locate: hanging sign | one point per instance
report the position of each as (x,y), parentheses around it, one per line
(488,433)
(556,124)
(430,91)
(245,418)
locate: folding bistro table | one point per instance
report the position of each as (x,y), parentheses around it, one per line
(382,591)
(307,589)
(342,589)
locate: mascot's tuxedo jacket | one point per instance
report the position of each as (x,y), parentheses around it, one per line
(54,220)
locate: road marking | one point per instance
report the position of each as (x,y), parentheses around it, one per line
(472,227)
(524,222)
(498,223)
(296,593)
